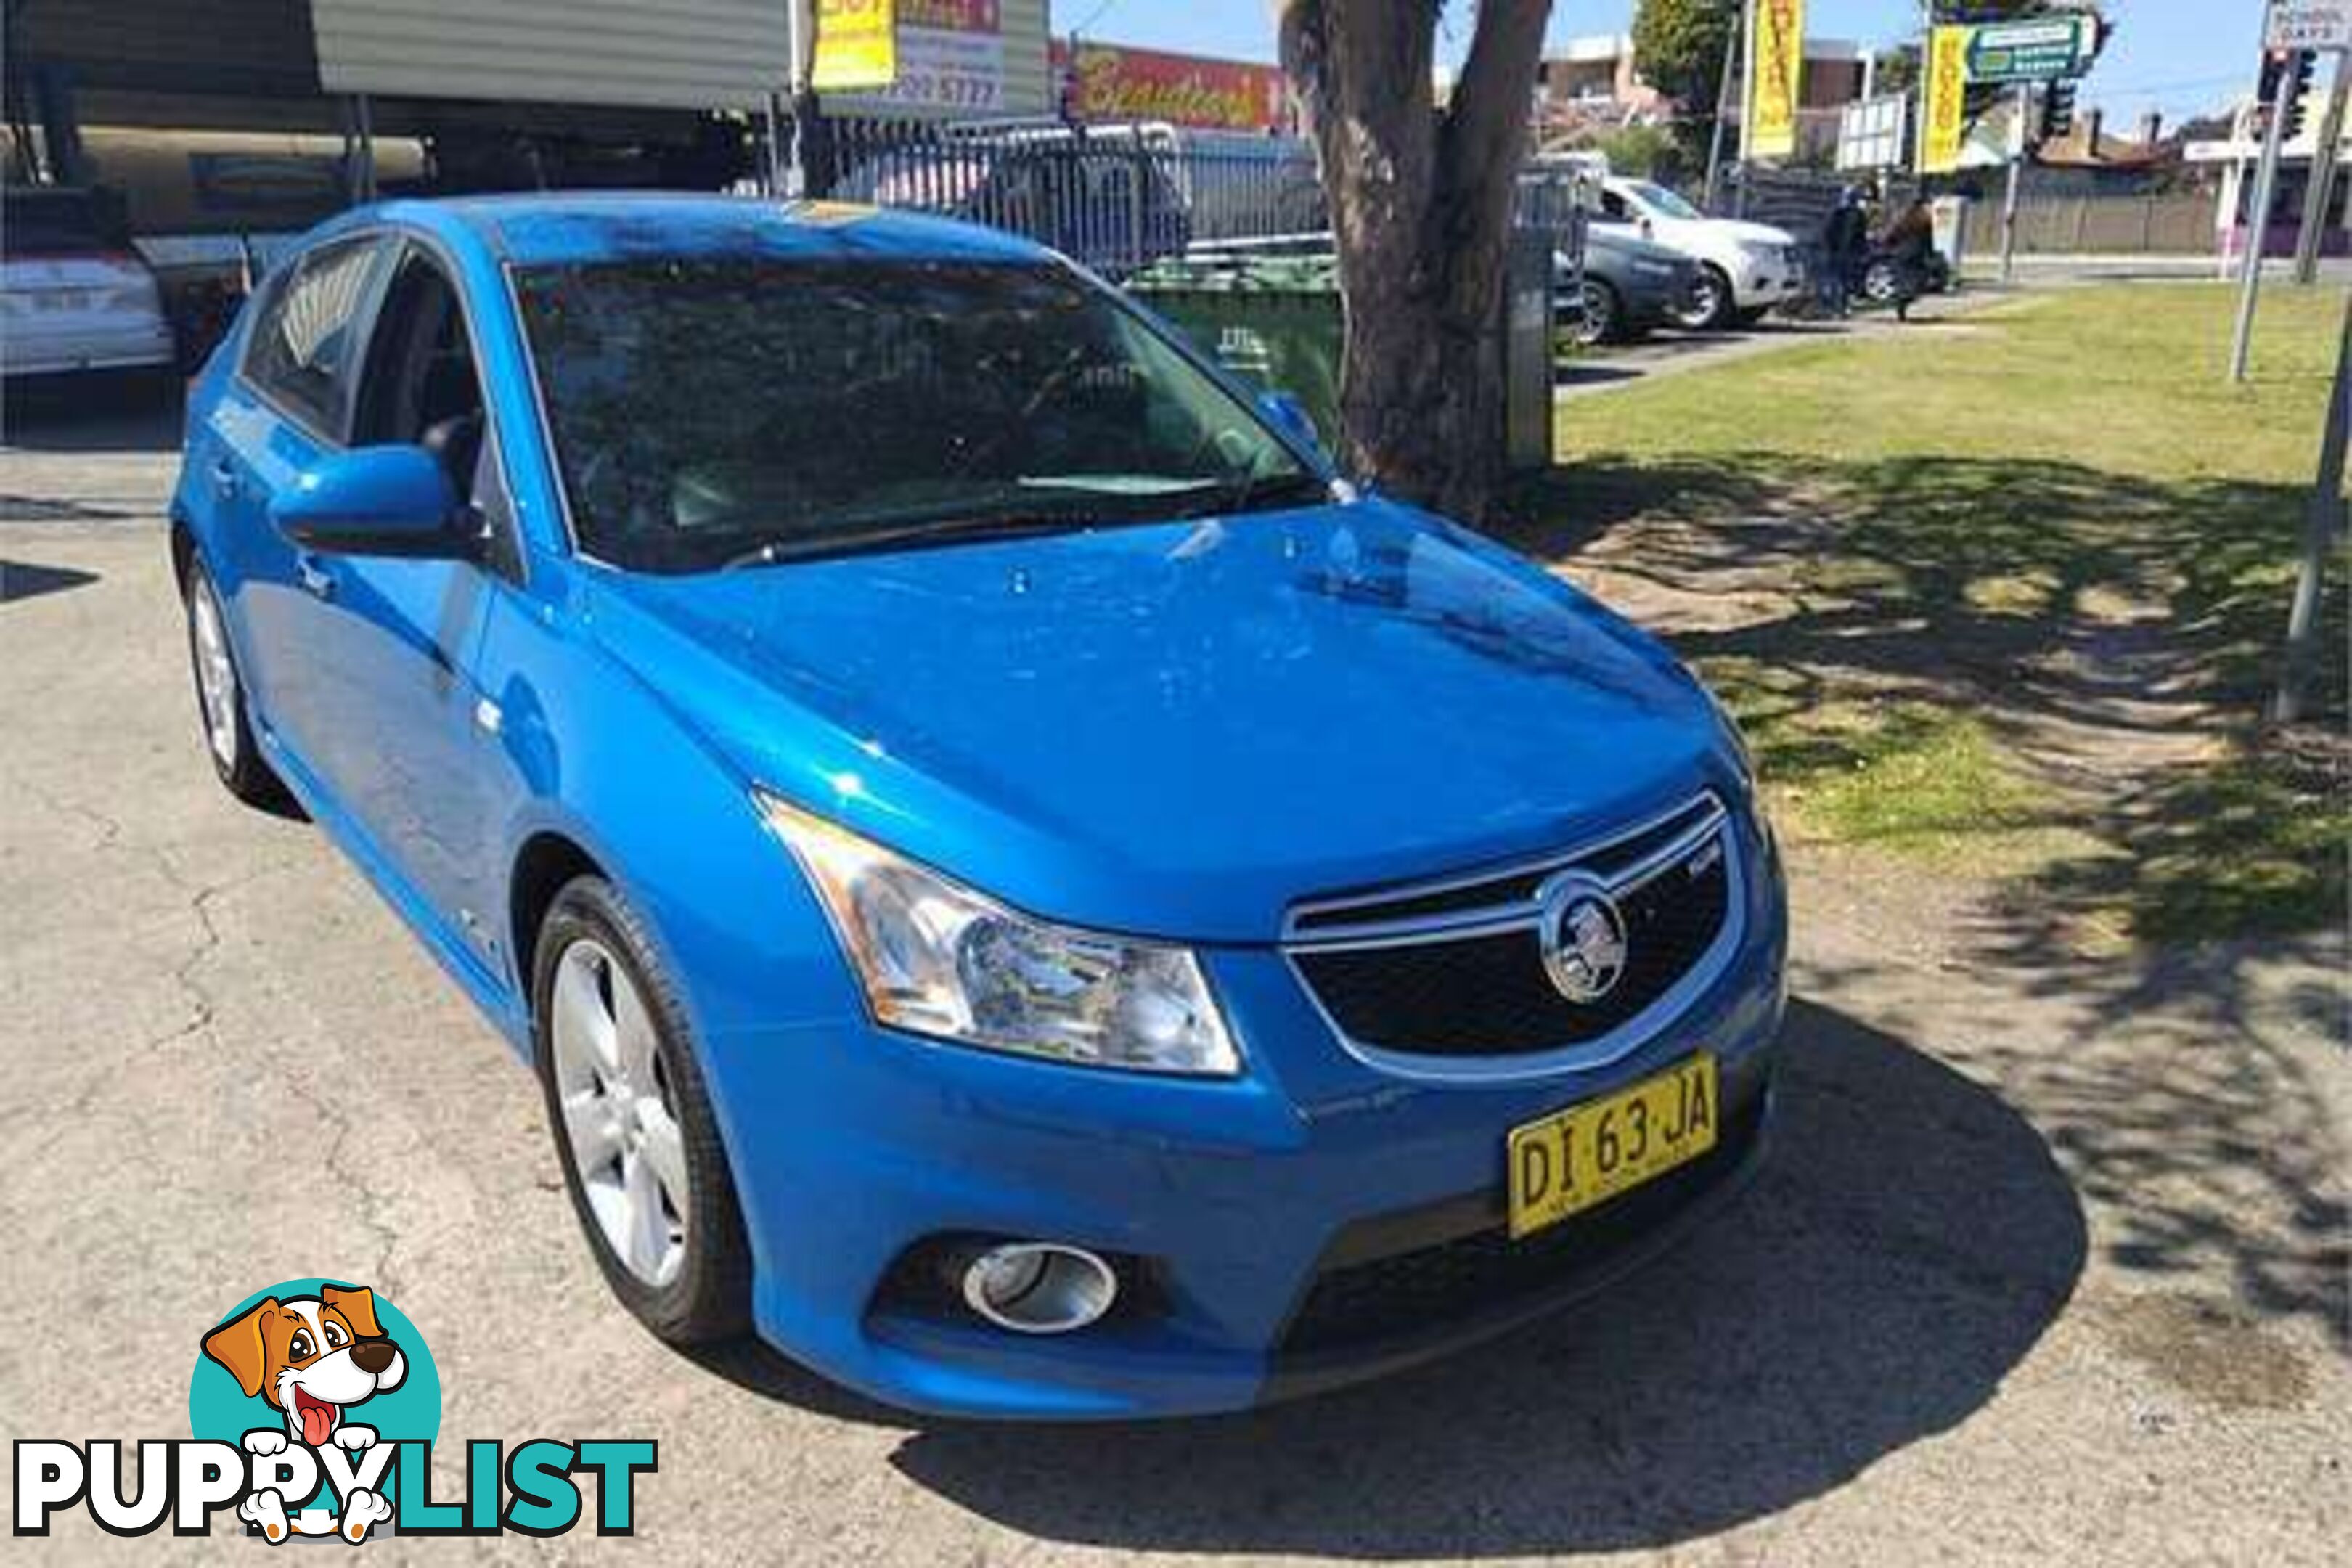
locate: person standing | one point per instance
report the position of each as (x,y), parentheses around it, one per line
(1845,239)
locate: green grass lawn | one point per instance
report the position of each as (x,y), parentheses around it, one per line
(2006,590)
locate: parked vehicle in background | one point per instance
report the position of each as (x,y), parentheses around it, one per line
(1627,287)
(1107,197)
(1238,184)
(1881,275)
(75,297)
(1021,884)
(1745,270)
(206,210)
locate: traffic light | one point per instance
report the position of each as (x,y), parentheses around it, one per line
(2057,110)
(2286,83)
(2299,73)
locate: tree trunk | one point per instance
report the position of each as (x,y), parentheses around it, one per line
(1421,204)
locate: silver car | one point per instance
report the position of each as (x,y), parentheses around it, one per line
(72,298)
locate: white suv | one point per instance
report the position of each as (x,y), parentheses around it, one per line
(1744,269)
(70,300)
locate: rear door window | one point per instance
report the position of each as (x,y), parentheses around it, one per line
(301,356)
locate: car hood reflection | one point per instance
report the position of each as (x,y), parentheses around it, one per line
(1178,728)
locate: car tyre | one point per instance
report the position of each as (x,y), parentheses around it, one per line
(633,1124)
(1603,320)
(1711,304)
(1881,281)
(223,708)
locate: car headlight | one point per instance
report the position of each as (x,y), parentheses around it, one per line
(1761,254)
(938,959)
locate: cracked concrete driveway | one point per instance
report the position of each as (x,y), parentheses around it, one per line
(2049,1263)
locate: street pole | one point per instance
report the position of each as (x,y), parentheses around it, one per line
(2322,174)
(2258,220)
(1723,102)
(774,140)
(2017,139)
(2321,524)
(800,35)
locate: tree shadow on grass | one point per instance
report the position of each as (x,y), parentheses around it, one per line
(1931,568)
(1772,1358)
(2122,632)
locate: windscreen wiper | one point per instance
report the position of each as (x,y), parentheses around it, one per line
(972,529)
(1263,490)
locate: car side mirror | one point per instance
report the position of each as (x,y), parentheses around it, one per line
(1291,414)
(1649,229)
(374,500)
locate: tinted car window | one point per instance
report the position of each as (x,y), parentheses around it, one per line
(704,407)
(301,345)
(1665,201)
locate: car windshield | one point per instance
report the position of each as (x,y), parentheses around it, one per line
(714,412)
(1663,200)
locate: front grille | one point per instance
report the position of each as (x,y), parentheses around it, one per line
(1426,1288)
(1487,995)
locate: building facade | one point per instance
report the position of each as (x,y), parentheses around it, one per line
(1595,83)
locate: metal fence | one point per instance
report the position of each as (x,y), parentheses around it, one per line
(1117,197)
(2179,223)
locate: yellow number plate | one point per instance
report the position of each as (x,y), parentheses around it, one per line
(1574,1159)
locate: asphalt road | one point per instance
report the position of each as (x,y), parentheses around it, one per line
(1670,352)
(2049,1263)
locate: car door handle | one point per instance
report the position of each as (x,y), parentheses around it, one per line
(224,475)
(316,579)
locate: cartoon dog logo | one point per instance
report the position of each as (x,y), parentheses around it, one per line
(313,1358)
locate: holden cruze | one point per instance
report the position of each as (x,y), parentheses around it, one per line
(1022,885)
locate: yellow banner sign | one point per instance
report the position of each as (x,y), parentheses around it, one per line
(1776,77)
(856,45)
(1943,112)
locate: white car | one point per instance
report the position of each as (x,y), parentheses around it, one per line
(70,300)
(1744,269)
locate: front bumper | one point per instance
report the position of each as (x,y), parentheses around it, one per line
(1273,1210)
(1760,284)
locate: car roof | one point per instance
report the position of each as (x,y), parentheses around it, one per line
(556,227)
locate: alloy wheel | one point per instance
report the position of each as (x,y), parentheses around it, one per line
(216,674)
(1600,321)
(619,1120)
(1706,302)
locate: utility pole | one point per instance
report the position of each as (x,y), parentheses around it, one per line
(2017,144)
(800,34)
(2322,174)
(2258,218)
(1723,102)
(2321,524)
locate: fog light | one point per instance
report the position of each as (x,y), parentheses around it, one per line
(1038,1288)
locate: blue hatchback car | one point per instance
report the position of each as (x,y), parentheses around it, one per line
(1023,886)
